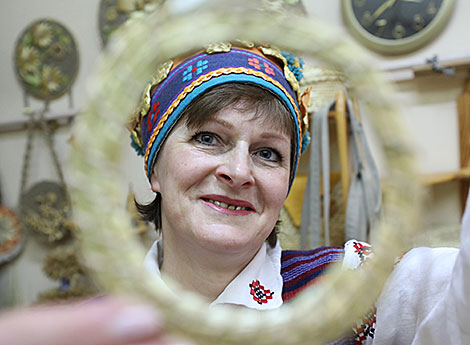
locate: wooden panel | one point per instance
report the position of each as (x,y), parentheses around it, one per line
(463,104)
(342,137)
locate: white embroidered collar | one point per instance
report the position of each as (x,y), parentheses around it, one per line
(258,286)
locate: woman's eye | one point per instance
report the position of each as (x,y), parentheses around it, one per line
(205,138)
(270,155)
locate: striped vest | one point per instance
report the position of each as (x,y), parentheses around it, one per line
(299,269)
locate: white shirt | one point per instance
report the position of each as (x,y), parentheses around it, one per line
(426,300)
(258,286)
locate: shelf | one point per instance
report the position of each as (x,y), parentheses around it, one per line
(54,121)
(439,178)
(408,71)
(458,63)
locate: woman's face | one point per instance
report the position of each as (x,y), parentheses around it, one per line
(223,184)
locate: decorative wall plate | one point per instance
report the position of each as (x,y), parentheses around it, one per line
(113,13)
(45,210)
(11,235)
(46,59)
(109,19)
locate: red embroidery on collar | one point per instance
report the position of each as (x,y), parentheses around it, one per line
(362,249)
(259,293)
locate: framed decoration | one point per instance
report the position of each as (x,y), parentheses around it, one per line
(110,17)
(46,60)
(396,26)
(113,13)
(11,235)
(45,211)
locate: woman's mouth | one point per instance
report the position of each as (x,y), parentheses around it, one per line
(227,206)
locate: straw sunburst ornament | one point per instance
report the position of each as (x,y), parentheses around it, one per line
(320,314)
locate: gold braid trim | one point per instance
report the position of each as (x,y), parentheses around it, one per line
(144,106)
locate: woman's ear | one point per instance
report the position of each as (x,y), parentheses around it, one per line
(154,182)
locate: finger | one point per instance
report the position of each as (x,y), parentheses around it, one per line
(105,322)
(166,341)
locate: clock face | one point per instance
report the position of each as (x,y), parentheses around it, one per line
(395,19)
(396,26)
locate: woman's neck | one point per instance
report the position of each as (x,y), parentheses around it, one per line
(198,270)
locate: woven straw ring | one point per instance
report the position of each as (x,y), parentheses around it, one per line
(324,311)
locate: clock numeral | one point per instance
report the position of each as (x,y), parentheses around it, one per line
(398,31)
(418,22)
(359,3)
(380,23)
(431,10)
(366,19)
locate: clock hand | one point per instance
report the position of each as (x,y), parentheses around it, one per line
(386,5)
(418,1)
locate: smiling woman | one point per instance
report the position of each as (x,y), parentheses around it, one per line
(261,107)
(222,137)
(222,197)
(224,158)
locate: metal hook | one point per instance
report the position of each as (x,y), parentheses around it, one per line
(434,61)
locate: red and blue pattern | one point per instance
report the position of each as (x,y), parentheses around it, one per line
(300,269)
(201,72)
(260,294)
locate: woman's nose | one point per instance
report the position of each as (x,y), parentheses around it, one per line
(237,168)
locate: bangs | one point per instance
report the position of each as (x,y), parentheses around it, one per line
(242,97)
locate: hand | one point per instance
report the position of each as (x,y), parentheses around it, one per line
(382,8)
(107,321)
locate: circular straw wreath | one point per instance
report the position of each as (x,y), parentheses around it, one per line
(324,311)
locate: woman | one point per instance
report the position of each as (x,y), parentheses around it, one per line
(236,127)
(222,197)
(221,132)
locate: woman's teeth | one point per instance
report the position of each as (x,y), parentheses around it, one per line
(227,206)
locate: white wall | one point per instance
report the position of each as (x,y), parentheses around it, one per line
(430,104)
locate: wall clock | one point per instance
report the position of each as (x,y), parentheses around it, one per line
(396,26)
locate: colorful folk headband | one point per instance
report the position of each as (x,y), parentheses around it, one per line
(175,87)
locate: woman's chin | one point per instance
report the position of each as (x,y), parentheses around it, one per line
(229,240)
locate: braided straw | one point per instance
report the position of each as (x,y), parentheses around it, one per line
(325,310)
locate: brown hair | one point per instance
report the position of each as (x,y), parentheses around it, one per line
(243,97)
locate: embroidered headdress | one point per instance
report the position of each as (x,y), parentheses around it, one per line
(177,83)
